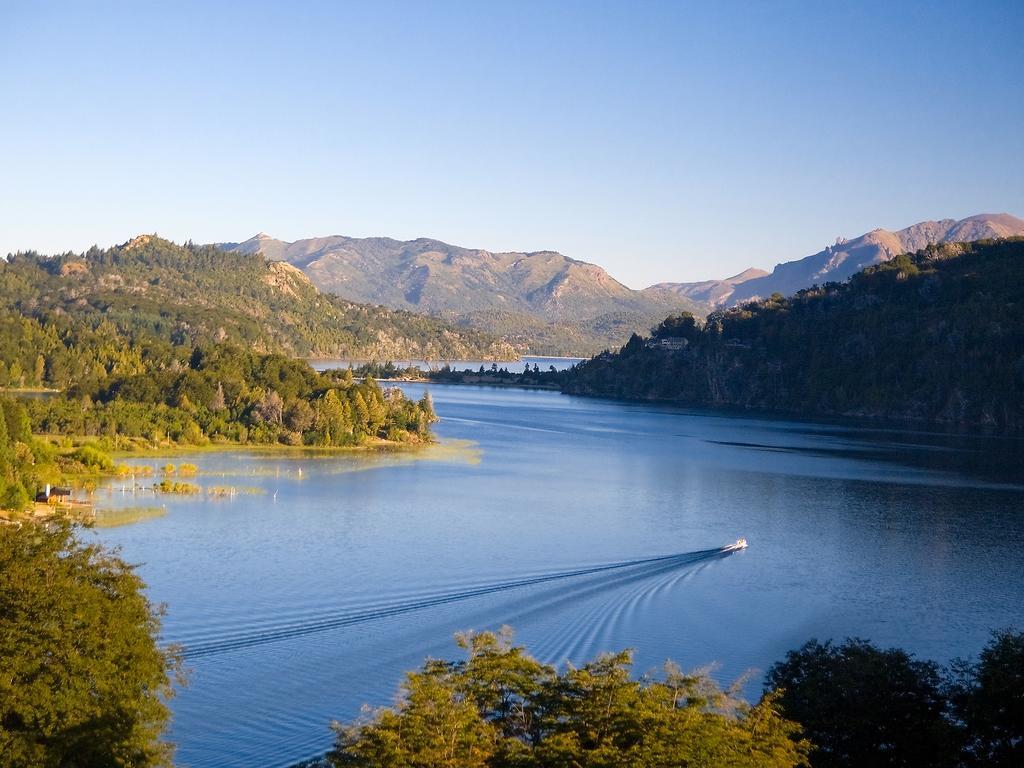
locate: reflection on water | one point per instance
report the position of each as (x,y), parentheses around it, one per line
(904,537)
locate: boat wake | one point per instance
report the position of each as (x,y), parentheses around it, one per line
(619,572)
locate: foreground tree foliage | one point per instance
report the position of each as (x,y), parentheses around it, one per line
(988,699)
(82,680)
(861,705)
(500,708)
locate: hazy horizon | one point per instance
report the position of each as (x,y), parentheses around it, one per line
(665,143)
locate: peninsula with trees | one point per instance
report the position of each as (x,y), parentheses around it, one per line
(154,345)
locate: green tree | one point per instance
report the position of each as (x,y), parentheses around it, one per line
(376,410)
(433,727)
(426,404)
(683,325)
(360,414)
(861,705)
(502,709)
(988,698)
(19,426)
(86,687)
(17,463)
(329,419)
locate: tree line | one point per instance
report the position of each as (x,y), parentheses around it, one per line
(826,705)
(222,393)
(158,394)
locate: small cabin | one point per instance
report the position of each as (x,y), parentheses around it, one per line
(53,495)
(671,343)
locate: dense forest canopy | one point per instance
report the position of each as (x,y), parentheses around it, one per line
(222,393)
(187,294)
(935,336)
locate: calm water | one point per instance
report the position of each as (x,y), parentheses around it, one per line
(512,366)
(906,538)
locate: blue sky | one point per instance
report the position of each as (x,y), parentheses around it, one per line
(664,141)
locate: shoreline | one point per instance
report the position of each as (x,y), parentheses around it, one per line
(501,384)
(378,446)
(442,363)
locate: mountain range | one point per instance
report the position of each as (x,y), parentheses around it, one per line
(542,301)
(843,259)
(546,303)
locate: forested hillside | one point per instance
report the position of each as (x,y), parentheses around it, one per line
(936,336)
(192,294)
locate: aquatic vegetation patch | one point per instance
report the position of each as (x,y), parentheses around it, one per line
(112,518)
(175,487)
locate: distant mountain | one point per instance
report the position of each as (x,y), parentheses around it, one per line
(711,292)
(937,336)
(479,288)
(187,294)
(839,261)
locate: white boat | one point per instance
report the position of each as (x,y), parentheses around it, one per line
(736,546)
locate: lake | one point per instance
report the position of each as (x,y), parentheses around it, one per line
(512,366)
(308,593)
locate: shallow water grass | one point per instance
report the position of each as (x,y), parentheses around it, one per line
(112,518)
